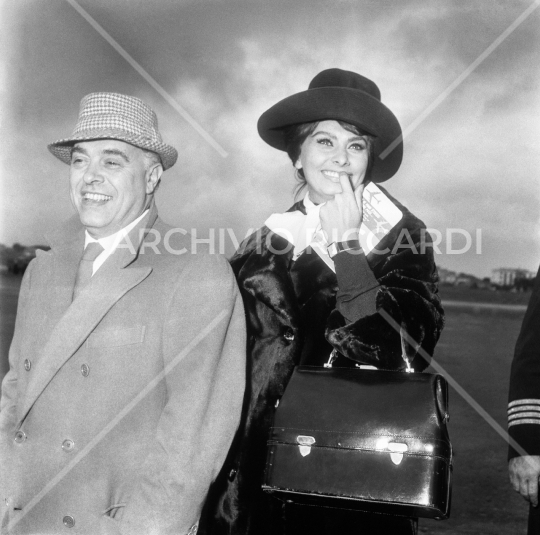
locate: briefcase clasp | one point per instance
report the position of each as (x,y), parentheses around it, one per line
(397,449)
(333,356)
(304,444)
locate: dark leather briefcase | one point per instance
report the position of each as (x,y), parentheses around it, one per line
(369,440)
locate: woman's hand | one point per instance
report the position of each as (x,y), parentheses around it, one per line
(342,216)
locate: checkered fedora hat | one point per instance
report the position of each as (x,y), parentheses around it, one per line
(116,116)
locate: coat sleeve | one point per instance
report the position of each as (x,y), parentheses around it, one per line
(204,369)
(405,269)
(357,286)
(524,392)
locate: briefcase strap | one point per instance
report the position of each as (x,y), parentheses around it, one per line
(333,356)
(402,333)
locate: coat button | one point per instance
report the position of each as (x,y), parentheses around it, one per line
(288,335)
(68,521)
(68,445)
(27,365)
(20,437)
(85,370)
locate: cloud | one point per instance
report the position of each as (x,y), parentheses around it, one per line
(472,163)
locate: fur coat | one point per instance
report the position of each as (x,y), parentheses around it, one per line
(278,335)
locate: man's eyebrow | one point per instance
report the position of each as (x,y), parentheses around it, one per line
(76,148)
(116,152)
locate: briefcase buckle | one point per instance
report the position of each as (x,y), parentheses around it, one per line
(304,444)
(333,356)
(396,451)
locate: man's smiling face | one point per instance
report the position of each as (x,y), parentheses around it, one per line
(110,183)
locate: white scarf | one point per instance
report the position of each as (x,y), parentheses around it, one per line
(302,230)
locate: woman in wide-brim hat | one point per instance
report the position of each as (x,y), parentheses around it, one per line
(309,288)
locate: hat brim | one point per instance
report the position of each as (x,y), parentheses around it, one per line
(340,104)
(62,148)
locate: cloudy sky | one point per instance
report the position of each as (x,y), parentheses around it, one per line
(473,163)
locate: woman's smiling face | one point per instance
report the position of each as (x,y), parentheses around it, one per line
(326,153)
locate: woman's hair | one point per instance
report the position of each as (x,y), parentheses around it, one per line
(296,134)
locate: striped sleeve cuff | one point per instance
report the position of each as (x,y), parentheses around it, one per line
(524,411)
(524,426)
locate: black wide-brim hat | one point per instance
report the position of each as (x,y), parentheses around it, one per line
(339,95)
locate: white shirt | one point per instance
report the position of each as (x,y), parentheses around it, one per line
(302,230)
(109,243)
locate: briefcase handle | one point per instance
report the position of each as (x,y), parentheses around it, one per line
(441,392)
(402,333)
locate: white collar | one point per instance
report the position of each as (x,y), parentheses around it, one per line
(309,205)
(110,243)
(302,230)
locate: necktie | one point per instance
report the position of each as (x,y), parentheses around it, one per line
(84,273)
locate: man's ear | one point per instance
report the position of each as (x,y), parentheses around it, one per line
(153,176)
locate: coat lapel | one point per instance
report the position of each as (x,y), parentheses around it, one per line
(113,280)
(54,293)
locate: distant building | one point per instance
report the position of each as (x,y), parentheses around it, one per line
(16,259)
(446,276)
(508,276)
(470,281)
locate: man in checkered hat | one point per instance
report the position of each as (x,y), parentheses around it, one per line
(127,364)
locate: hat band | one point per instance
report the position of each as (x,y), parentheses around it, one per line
(116,122)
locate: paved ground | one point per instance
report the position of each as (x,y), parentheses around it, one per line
(475,349)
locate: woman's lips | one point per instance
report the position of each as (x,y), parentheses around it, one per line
(334,175)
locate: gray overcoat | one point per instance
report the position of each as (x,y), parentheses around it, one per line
(119,407)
